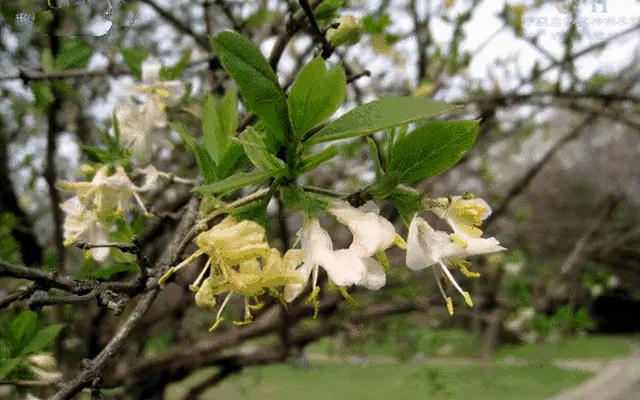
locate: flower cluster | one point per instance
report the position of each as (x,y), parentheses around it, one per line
(90,214)
(428,247)
(240,261)
(138,119)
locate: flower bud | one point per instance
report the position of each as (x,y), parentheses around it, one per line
(348,32)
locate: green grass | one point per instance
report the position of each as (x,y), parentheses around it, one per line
(576,347)
(399,382)
(430,343)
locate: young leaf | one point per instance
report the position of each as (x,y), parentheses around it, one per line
(174,72)
(74,53)
(219,123)
(205,162)
(380,114)
(233,159)
(311,162)
(375,156)
(315,95)
(237,181)
(432,149)
(23,326)
(297,199)
(407,201)
(211,130)
(7,366)
(133,59)
(257,82)
(42,340)
(254,147)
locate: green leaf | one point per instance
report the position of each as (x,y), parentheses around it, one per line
(237,181)
(219,123)
(7,366)
(174,72)
(255,211)
(311,162)
(42,340)
(407,201)
(326,10)
(133,58)
(23,326)
(74,53)
(252,141)
(233,159)
(315,95)
(42,93)
(380,114)
(109,272)
(257,82)
(432,149)
(375,156)
(205,162)
(297,199)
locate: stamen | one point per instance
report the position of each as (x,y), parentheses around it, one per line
(219,318)
(462,265)
(138,199)
(195,286)
(248,318)
(448,299)
(400,242)
(348,297)
(314,279)
(465,294)
(178,267)
(450,306)
(468,299)
(382,258)
(313,299)
(469,274)
(277,295)
(451,278)
(458,241)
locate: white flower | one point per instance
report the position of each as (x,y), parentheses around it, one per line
(344,267)
(157,94)
(464,215)
(371,232)
(107,195)
(427,247)
(81,224)
(135,131)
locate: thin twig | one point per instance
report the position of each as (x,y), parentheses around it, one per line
(327,48)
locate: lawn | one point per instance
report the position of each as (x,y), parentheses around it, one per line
(332,381)
(422,378)
(428,343)
(571,348)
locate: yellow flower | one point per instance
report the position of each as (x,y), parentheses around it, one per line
(234,241)
(240,262)
(107,195)
(463,213)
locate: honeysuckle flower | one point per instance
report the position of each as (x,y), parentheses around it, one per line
(344,267)
(82,225)
(107,195)
(157,94)
(428,247)
(153,177)
(135,130)
(233,241)
(371,232)
(240,261)
(464,214)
